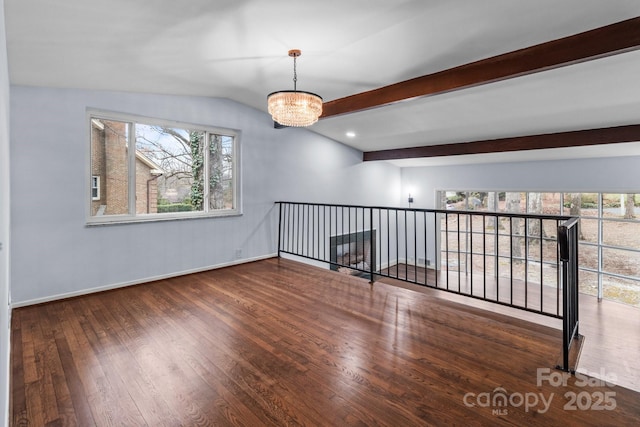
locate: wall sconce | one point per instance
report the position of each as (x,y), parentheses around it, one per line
(410,200)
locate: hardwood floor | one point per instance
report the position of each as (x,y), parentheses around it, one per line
(278,342)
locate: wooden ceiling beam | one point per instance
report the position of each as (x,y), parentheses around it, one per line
(630,133)
(601,42)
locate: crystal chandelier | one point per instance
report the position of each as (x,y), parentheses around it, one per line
(294,107)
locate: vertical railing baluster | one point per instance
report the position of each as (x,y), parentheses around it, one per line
(459,256)
(372,244)
(279,228)
(311,224)
(470,249)
(415,247)
(541,254)
(397,246)
(511,234)
(388,244)
(297,226)
(437,236)
(526,258)
(446,238)
(426,257)
(363,239)
(289,226)
(326,234)
(575,238)
(330,234)
(497,243)
(342,238)
(363,233)
(406,248)
(559,279)
(484,257)
(379,242)
(349,233)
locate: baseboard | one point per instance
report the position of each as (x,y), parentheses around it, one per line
(136,282)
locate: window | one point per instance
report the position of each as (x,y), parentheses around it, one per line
(609,240)
(95,187)
(144,169)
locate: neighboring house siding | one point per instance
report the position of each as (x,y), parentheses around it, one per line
(146,189)
(109,162)
(98,165)
(115,184)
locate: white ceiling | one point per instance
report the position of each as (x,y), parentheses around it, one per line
(238,49)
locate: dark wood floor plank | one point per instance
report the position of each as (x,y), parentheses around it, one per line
(223,337)
(281,343)
(99,392)
(42,408)
(127,376)
(209,394)
(55,380)
(162,367)
(19,369)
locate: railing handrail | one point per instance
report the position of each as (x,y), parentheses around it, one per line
(443,211)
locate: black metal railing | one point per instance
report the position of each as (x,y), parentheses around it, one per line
(568,236)
(515,260)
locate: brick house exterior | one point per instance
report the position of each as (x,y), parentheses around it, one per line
(109,172)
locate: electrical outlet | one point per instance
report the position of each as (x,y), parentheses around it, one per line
(238,253)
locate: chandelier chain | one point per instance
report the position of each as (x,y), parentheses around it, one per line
(295,74)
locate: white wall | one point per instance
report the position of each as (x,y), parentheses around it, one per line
(4,225)
(613,174)
(54,254)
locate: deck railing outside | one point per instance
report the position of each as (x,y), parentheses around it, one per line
(528,262)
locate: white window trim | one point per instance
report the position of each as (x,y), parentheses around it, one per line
(132,217)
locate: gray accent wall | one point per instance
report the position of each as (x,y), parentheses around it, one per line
(55,254)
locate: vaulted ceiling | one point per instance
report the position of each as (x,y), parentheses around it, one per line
(238,49)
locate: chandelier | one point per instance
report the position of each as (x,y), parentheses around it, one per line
(294,107)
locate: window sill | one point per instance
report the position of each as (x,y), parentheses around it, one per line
(128,219)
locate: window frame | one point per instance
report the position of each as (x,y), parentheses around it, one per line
(132,217)
(599,245)
(95,179)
